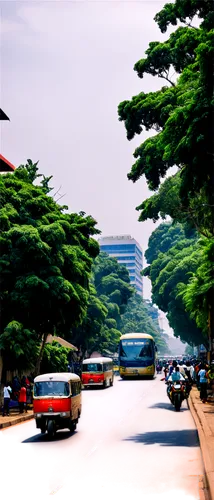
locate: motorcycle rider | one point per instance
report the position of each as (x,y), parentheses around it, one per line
(172,367)
(182,367)
(175,376)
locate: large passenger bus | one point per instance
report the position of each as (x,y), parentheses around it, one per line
(137,353)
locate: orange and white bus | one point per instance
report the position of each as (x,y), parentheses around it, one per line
(97,372)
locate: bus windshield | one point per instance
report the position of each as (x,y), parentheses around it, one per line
(51,389)
(92,367)
(136,348)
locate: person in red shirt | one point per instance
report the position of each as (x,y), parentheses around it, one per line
(22,398)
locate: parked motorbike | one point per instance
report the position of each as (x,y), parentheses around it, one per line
(177,394)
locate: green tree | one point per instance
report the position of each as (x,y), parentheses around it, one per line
(166,202)
(173,260)
(136,319)
(189,350)
(110,292)
(55,358)
(198,295)
(46,258)
(181,112)
(20,347)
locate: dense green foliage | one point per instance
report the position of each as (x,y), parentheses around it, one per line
(137,319)
(167,202)
(55,358)
(182,113)
(198,295)
(174,260)
(46,260)
(110,292)
(52,279)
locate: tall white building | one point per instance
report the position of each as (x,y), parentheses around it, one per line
(129,253)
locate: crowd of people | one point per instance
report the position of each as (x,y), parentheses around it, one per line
(191,372)
(18,392)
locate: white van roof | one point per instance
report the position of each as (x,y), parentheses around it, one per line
(57,377)
(97,360)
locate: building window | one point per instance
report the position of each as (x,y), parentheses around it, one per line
(115,248)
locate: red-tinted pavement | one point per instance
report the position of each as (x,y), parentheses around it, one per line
(131,434)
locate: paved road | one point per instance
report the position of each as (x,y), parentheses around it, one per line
(129,441)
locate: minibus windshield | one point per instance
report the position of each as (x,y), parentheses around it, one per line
(92,367)
(51,389)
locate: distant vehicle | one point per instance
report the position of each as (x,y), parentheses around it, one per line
(97,372)
(57,401)
(137,354)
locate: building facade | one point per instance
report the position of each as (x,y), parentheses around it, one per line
(129,253)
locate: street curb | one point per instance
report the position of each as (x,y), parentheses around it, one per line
(209,472)
(18,420)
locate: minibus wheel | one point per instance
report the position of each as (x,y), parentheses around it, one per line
(111,382)
(72,426)
(51,428)
(43,430)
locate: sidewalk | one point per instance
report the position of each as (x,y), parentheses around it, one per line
(203,415)
(14,419)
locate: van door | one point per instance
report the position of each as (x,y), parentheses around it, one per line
(75,386)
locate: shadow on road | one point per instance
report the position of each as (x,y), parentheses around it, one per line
(166,406)
(42,438)
(187,438)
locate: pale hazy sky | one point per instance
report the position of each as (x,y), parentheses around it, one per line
(65,66)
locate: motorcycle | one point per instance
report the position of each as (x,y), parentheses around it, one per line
(176,393)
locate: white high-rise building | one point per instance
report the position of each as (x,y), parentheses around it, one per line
(129,253)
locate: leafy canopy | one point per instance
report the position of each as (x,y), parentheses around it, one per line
(46,259)
(181,114)
(110,292)
(137,319)
(173,260)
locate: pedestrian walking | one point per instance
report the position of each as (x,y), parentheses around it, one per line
(22,399)
(203,383)
(16,388)
(6,406)
(210,376)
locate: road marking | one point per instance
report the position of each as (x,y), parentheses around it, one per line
(90,452)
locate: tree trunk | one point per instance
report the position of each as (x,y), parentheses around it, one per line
(39,359)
